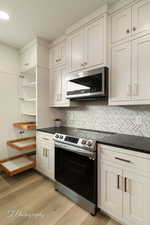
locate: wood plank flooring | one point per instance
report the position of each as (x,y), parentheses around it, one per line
(30,199)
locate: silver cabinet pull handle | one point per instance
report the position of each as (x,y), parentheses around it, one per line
(45,139)
(118,182)
(125,184)
(124,160)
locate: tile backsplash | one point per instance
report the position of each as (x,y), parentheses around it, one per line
(134,120)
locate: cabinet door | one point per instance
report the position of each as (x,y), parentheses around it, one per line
(56,56)
(141,17)
(65,78)
(111,189)
(121,25)
(62,53)
(41,156)
(76,51)
(55,87)
(28,59)
(137,199)
(120,82)
(141,69)
(95,44)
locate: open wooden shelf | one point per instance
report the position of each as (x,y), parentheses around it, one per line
(25,125)
(23,144)
(17,165)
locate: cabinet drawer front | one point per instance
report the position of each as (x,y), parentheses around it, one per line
(113,155)
(45,136)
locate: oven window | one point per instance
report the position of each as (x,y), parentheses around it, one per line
(76,172)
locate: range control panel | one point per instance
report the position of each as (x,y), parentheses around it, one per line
(79,142)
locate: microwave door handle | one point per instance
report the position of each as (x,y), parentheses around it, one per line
(79,151)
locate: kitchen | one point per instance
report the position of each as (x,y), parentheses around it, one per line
(75,115)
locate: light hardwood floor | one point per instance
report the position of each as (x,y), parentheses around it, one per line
(29,193)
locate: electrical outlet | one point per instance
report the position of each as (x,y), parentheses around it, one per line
(139,120)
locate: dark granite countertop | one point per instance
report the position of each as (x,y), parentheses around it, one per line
(129,142)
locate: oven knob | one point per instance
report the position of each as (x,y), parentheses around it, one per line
(83,142)
(57,136)
(61,137)
(89,143)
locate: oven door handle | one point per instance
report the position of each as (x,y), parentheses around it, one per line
(79,151)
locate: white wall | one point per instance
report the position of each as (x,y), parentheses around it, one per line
(9,110)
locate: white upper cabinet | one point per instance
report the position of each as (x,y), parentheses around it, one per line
(87,46)
(58,88)
(94,43)
(121,25)
(130,56)
(76,51)
(141,69)
(133,21)
(121,73)
(141,17)
(28,59)
(55,87)
(57,55)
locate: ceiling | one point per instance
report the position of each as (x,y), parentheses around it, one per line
(43,18)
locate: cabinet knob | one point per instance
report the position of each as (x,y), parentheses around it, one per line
(134,28)
(127,31)
(26,64)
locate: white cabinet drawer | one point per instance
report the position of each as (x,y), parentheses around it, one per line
(45,136)
(113,155)
(28,59)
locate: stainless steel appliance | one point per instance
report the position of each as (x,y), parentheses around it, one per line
(76,170)
(89,85)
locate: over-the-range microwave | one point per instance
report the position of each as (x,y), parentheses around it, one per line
(89,85)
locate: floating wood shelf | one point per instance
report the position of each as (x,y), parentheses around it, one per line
(17,165)
(25,125)
(23,144)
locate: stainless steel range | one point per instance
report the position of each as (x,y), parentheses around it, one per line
(76,170)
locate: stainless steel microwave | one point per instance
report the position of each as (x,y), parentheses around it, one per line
(89,85)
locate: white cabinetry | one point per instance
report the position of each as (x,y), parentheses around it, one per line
(45,154)
(87,46)
(57,55)
(58,87)
(121,25)
(141,69)
(130,53)
(132,21)
(141,17)
(123,185)
(121,73)
(111,195)
(28,58)
(130,72)
(76,51)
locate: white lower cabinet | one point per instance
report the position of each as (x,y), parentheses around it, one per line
(123,185)
(137,199)
(45,154)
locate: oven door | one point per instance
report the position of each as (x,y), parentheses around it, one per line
(76,171)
